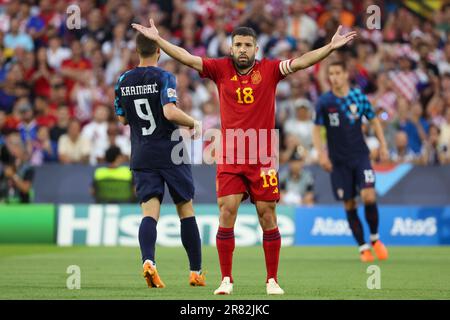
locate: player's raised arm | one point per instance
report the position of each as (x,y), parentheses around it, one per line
(172,50)
(312,57)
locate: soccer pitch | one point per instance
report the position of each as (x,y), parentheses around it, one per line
(39,272)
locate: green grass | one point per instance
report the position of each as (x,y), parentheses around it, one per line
(39,272)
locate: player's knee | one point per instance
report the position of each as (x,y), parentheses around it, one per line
(267,217)
(227,212)
(350,204)
(369,197)
(267,221)
(185,209)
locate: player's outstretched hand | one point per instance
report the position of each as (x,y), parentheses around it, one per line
(339,40)
(150,32)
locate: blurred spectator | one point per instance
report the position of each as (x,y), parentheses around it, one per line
(85,95)
(96,133)
(290,145)
(62,122)
(97,28)
(297,183)
(301,125)
(17,175)
(16,38)
(385,96)
(219,41)
(405,79)
(402,153)
(11,9)
(59,94)
(115,139)
(44,115)
(280,40)
(211,117)
(33,24)
(8,93)
(114,183)
(72,147)
(300,25)
(254,14)
(412,122)
(117,53)
(335,10)
(73,69)
(56,53)
(43,149)
(444,138)
(39,76)
(444,64)
(27,126)
(432,152)
(3,127)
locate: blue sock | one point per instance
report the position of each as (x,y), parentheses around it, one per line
(371,213)
(190,237)
(147,238)
(356,226)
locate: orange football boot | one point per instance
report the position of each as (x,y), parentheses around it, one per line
(151,276)
(380,250)
(366,256)
(197,280)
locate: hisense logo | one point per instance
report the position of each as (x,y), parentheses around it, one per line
(109,225)
(330,227)
(414,227)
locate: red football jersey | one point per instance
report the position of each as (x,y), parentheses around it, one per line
(247,101)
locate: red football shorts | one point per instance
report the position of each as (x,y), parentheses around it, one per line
(259,182)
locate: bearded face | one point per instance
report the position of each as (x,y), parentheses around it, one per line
(243,51)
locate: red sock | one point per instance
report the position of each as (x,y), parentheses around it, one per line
(272,245)
(225,248)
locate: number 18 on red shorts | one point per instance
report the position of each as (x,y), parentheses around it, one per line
(254,180)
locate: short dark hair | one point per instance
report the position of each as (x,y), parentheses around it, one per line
(244,31)
(340,63)
(145,46)
(112,153)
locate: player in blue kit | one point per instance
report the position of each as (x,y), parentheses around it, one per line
(146,100)
(341,111)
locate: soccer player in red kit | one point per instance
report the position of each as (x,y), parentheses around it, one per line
(247,108)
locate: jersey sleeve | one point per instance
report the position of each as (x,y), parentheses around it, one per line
(168,92)
(117,106)
(280,68)
(212,68)
(368,110)
(318,118)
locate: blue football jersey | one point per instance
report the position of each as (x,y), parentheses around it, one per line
(342,117)
(140,95)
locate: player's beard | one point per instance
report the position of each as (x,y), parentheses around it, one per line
(242,64)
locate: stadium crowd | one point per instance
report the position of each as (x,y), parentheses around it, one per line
(57,84)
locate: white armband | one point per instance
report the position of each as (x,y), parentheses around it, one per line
(285,67)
